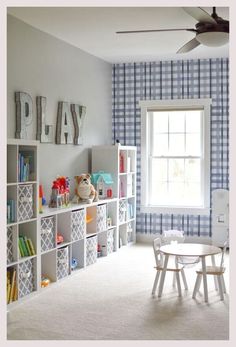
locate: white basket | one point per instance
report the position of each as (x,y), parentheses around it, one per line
(48,230)
(62,262)
(25,202)
(91,250)
(78,225)
(26,278)
(101,218)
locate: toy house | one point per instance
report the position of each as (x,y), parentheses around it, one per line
(102,182)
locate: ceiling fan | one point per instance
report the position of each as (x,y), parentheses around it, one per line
(211,30)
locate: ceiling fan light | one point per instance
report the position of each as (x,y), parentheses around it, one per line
(213,39)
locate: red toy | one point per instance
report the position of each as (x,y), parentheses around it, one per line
(60,192)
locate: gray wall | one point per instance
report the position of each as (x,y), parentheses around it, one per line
(40,64)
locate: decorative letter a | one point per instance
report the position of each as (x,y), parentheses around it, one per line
(64,124)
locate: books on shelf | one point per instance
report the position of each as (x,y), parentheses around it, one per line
(25,166)
(11,211)
(26,247)
(130,211)
(11,286)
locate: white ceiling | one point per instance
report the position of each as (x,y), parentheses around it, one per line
(93,29)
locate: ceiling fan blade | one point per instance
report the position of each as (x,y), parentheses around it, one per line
(151,30)
(200,15)
(189,46)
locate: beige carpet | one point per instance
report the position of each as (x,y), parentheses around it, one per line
(111,300)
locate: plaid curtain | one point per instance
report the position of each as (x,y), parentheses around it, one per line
(181,79)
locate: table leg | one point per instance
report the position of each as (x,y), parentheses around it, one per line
(214,264)
(163,274)
(204,276)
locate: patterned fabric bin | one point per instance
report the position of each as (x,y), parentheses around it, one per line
(101,218)
(110,241)
(10,257)
(78,226)
(91,250)
(62,262)
(48,231)
(25,202)
(122,210)
(26,278)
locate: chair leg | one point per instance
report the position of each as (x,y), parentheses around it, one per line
(155,283)
(214,264)
(220,288)
(178,283)
(184,279)
(197,285)
(223,283)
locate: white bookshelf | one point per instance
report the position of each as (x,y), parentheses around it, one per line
(84,241)
(22,214)
(107,159)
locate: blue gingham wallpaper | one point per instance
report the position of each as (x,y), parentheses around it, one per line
(202,78)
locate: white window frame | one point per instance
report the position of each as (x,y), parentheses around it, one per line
(156,105)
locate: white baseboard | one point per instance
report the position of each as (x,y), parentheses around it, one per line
(148,238)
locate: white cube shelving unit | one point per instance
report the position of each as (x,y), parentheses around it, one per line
(120,162)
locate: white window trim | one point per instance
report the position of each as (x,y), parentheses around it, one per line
(149,105)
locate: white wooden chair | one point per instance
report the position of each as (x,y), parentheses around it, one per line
(176,269)
(178,235)
(217,271)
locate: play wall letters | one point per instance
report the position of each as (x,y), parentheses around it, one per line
(70,120)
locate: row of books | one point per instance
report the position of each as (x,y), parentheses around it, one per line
(25,163)
(11,211)
(26,247)
(11,285)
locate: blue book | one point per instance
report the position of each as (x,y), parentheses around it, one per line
(22,168)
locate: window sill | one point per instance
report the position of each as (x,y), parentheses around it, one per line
(176,210)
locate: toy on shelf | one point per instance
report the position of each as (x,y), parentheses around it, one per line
(84,191)
(42,200)
(45,281)
(60,195)
(103,183)
(88,218)
(74,263)
(60,239)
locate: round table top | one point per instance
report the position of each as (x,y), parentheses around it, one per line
(189,249)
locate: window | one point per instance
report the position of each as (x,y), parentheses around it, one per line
(175,156)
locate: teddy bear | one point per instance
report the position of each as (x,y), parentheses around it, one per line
(85,191)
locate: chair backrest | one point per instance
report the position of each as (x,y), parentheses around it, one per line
(223,253)
(170,236)
(173,232)
(156,248)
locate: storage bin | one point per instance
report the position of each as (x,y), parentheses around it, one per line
(122,210)
(26,278)
(101,217)
(48,231)
(91,250)
(78,227)
(25,202)
(62,262)
(10,257)
(110,241)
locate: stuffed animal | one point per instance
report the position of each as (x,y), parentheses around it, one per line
(85,191)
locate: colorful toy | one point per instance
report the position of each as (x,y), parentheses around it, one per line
(60,195)
(103,183)
(40,198)
(60,239)
(74,263)
(45,281)
(84,191)
(88,218)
